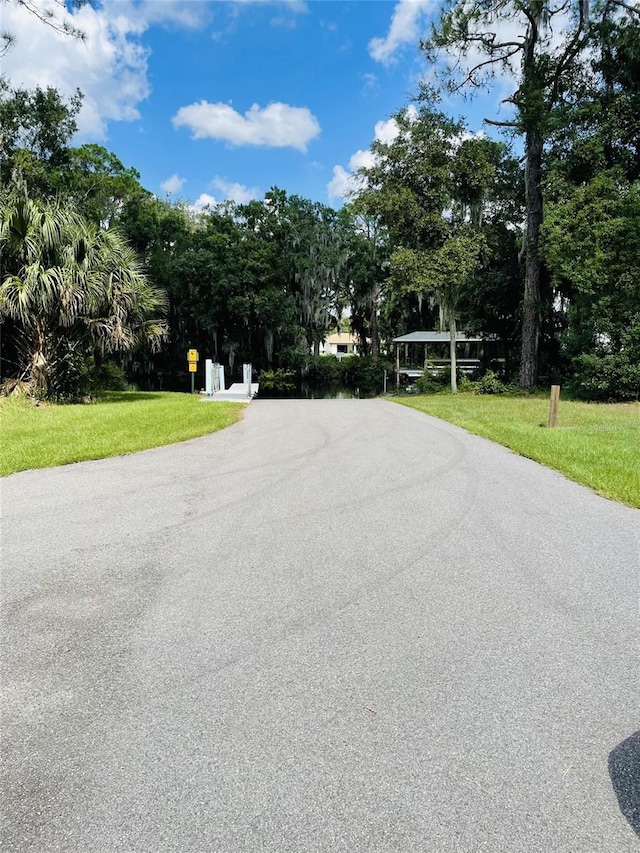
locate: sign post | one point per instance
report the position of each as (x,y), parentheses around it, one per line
(192,359)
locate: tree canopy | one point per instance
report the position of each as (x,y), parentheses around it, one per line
(516,37)
(70,289)
(449,228)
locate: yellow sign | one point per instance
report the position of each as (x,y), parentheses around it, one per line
(192,355)
(193,366)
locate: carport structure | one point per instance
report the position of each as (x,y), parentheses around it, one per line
(429,351)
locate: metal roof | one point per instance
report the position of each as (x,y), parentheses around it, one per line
(438,338)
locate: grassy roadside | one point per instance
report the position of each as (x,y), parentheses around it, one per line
(595,444)
(120,422)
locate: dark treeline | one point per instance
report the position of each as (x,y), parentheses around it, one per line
(103,282)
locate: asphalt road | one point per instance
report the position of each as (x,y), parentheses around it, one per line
(337,626)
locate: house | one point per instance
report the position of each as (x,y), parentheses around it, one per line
(340,344)
(429,351)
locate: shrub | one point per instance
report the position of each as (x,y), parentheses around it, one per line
(108,377)
(432,384)
(466,385)
(490,384)
(606,377)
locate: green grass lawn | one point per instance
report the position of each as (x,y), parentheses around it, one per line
(120,422)
(595,444)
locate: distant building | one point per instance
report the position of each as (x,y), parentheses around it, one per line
(340,344)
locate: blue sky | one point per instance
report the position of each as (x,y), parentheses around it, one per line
(221,100)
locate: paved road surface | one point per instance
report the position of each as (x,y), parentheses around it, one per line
(337,626)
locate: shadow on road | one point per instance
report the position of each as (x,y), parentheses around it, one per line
(624,770)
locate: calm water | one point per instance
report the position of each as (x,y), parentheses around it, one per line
(304,392)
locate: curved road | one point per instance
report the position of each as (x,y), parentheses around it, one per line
(339,625)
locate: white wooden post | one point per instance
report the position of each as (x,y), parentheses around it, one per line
(208,377)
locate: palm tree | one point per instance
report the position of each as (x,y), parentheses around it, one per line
(69,287)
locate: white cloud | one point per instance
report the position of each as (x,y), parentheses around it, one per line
(386,131)
(149,12)
(344,183)
(173,184)
(110,64)
(283,22)
(204,200)
(229,14)
(370,83)
(361,160)
(297,6)
(230,191)
(276,126)
(404,29)
(341,184)
(235,192)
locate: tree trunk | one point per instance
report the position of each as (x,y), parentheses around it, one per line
(316,349)
(531,301)
(373,325)
(40,362)
(268,345)
(452,354)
